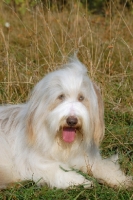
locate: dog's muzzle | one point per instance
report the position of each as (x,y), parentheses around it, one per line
(69,130)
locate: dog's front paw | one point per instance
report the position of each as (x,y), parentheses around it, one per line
(74,179)
(70,179)
(128,183)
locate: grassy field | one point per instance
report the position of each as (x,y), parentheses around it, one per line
(39,42)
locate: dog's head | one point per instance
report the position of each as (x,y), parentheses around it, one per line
(65,104)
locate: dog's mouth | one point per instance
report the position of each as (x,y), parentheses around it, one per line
(69,134)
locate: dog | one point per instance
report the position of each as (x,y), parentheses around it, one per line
(57,132)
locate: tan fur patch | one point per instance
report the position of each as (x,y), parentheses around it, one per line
(6,177)
(31,135)
(54,104)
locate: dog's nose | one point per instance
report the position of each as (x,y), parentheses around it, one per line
(72,121)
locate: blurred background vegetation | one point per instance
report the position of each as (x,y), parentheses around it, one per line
(94,6)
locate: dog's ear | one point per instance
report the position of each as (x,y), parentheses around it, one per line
(99,118)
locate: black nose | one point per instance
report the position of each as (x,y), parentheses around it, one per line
(72,121)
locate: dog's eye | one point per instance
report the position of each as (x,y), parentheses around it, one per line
(81,98)
(61,97)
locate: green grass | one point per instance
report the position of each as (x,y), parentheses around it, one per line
(39,42)
(31,191)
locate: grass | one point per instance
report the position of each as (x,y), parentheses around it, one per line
(30,191)
(39,42)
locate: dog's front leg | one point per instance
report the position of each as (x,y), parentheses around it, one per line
(59,175)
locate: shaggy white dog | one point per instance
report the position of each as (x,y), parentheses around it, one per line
(57,130)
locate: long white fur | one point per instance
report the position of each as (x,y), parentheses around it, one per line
(30,145)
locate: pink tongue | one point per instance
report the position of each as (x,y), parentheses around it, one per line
(68,134)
